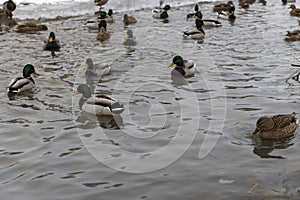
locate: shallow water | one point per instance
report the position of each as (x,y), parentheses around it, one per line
(173,141)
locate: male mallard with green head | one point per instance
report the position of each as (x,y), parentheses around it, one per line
(129,39)
(186,68)
(24,83)
(161,13)
(98,71)
(98,104)
(196,34)
(276,127)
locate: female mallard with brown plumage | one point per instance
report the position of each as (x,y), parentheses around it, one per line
(103,34)
(276,127)
(223,6)
(294,11)
(129,19)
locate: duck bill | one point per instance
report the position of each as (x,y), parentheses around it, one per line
(76,92)
(171,64)
(86,66)
(36,73)
(126,37)
(50,39)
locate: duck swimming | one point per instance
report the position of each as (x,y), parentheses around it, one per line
(52,44)
(161,13)
(30,27)
(294,11)
(100,3)
(129,39)
(185,68)
(103,35)
(276,127)
(98,104)
(195,34)
(24,83)
(208,22)
(95,72)
(223,7)
(129,19)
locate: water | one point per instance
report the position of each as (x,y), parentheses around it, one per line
(51,150)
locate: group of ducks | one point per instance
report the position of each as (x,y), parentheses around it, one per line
(275,127)
(292,35)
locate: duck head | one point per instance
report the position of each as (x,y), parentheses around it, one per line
(89,64)
(264,124)
(51,37)
(84,90)
(177,60)
(28,70)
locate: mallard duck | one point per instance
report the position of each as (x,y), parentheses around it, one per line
(129,19)
(52,44)
(294,11)
(186,68)
(223,6)
(98,71)
(103,34)
(98,104)
(8,7)
(190,15)
(208,22)
(195,34)
(96,24)
(24,83)
(30,27)
(276,127)
(228,15)
(284,2)
(100,3)
(129,39)
(244,4)
(161,13)
(108,16)
(292,35)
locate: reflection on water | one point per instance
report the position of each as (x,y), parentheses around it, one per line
(263,147)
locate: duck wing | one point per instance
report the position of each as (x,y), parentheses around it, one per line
(188,64)
(18,83)
(284,120)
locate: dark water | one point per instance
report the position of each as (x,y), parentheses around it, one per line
(174,141)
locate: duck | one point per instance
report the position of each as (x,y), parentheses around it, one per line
(129,39)
(95,71)
(100,3)
(186,68)
(8,8)
(195,34)
(30,27)
(129,19)
(190,15)
(102,35)
(284,2)
(109,18)
(292,36)
(294,11)
(24,83)
(276,127)
(95,24)
(208,22)
(244,4)
(98,104)
(223,7)
(161,13)
(228,15)
(52,44)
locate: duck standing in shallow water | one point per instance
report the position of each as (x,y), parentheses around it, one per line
(276,127)
(129,39)
(52,44)
(161,13)
(185,68)
(95,72)
(98,104)
(196,34)
(24,83)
